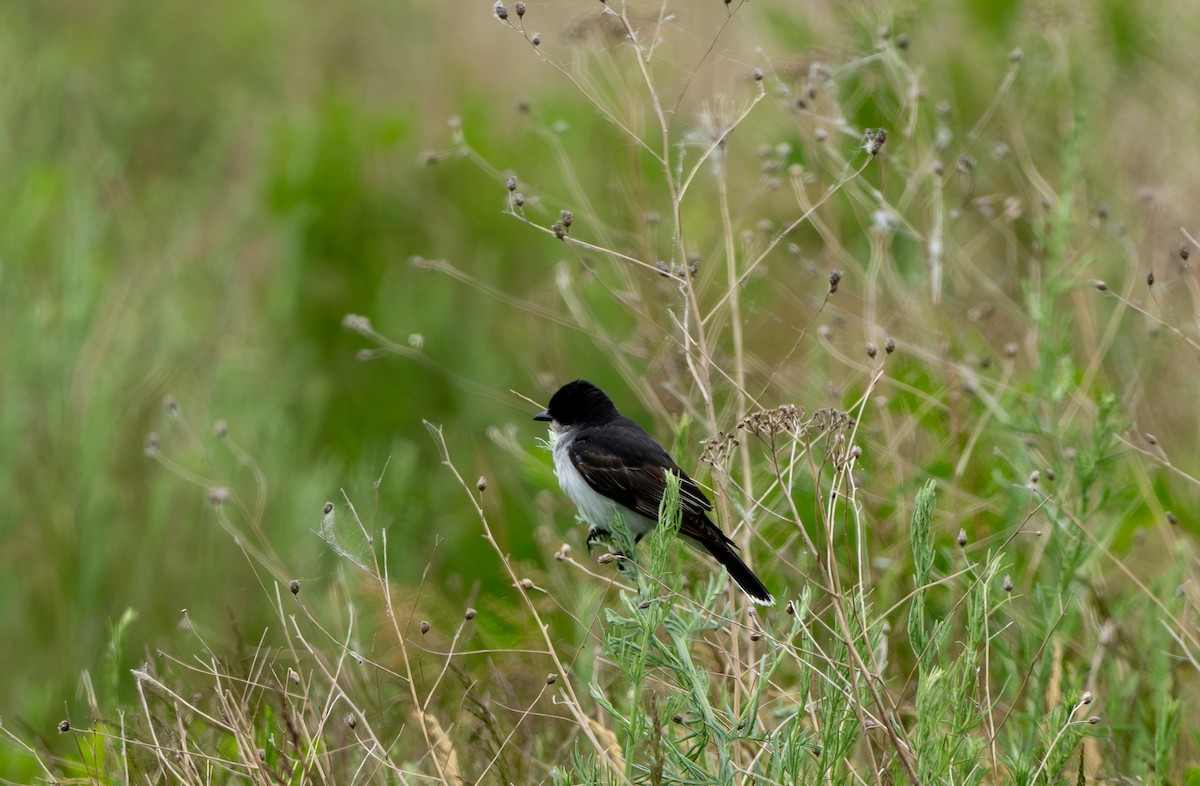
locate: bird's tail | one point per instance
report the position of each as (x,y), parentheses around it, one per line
(740,572)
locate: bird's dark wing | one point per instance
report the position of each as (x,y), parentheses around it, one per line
(625,464)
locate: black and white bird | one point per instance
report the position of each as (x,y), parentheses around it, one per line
(609,465)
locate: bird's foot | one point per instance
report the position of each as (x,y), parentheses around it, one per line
(597,537)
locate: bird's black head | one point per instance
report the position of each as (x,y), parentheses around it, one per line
(579,403)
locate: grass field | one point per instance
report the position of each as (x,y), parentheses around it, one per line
(910,287)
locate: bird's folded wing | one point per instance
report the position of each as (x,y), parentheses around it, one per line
(637,482)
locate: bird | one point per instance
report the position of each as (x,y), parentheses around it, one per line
(609,465)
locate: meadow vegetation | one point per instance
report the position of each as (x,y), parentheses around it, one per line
(909,287)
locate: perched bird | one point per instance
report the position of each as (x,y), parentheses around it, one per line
(607,464)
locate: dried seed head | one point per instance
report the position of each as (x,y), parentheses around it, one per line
(351,721)
(1051,475)
(536,39)
(758,74)
(873,141)
(511,183)
(791,608)
(221,429)
(902,41)
(518,199)
(424,627)
(328,508)
(605,559)
(962,537)
(559,231)
(551,678)
(563,552)
(520,9)
(481,484)
(64,726)
(1011,349)
(889,346)
(151,447)
(835,278)
(293,677)
(218,496)
(1150,279)
(1015,55)
(500,11)
(1092,721)
(171,405)
(469,614)
(1087,698)
(1153,440)
(356,322)
(294,587)
(1034,477)
(872,351)
(566,218)
(1185,252)
(1008,584)
(755,635)
(1099,285)
(1172,518)
(645,604)
(527,584)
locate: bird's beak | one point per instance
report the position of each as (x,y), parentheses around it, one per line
(544,415)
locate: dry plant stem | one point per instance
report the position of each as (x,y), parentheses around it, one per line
(1001,92)
(543,630)
(1167,613)
(712,147)
(562,279)
(163,762)
(903,748)
(846,479)
(735,322)
(608,115)
(936,244)
(698,343)
(333,677)
(413,354)
(499,295)
(807,213)
(37,757)
(871,287)
(520,719)
(1054,743)
(606,579)
(832,582)
(977,432)
(1191,344)
(382,576)
(445,667)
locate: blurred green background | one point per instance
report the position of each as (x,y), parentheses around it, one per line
(194,195)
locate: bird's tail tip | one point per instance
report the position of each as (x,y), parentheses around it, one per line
(767,602)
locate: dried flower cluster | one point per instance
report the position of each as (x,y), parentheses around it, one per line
(768,424)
